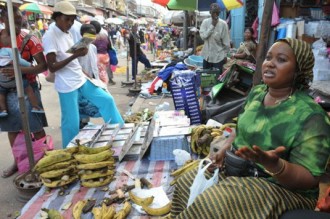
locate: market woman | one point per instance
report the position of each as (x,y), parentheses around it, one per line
(284,132)
(248,48)
(32,50)
(70,80)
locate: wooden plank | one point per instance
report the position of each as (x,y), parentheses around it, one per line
(263,42)
(148,138)
(129,142)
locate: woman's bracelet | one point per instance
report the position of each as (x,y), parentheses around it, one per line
(279,171)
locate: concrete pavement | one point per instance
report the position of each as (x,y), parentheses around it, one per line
(9,206)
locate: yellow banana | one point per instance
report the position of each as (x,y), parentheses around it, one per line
(97,212)
(140,201)
(87,150)
(52,213)
(52,159)
(77,209)
(215,134)
(158,211)
(58,183)
(97,182)
(185,168)
(56,173)
(97,174)
(124,212)
(57,166)
(94,158)
(70,150)
(104,209)
(110,213)
(98,165)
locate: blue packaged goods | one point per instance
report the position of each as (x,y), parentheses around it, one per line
(184,84)
(162,147)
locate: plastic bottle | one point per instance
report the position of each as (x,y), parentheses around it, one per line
(163,107)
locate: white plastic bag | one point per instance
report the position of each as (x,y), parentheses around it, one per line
(181,156)
(200,183)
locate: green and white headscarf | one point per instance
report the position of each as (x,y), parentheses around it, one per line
(305,62)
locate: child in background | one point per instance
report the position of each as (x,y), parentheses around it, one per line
(89,61)
(6,84)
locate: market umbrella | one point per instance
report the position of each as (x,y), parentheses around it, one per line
(200,5)
(114,20)
(161,2)
(177,17)
(36,8)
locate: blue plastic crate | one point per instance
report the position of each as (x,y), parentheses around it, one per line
(162,147)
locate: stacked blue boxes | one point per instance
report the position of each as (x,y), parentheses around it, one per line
(183,87)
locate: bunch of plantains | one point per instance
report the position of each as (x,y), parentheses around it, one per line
(57,168)
(96,166)
(202,136)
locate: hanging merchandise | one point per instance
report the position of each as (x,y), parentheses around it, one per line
(275,16)
(184,84)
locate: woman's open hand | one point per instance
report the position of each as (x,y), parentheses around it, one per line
(265,158)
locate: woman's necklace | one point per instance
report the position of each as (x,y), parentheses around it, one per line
(280,100)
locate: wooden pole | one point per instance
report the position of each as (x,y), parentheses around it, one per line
(185,31)
(19,86)
(264,39)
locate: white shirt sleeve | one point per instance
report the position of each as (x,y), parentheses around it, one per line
(48,42)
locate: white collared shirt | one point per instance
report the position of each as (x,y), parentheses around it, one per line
(216,40)
(71,76)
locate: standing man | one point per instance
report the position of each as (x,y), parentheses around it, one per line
(136,52)
(214,32)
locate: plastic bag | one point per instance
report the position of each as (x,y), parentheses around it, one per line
(113,56)
(200,183)
(181,156)
(39,148)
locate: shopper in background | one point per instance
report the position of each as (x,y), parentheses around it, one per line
(70,80)
(34,31)
(214,32)
(103,44)
(136,52)
(12,123)
(152,39)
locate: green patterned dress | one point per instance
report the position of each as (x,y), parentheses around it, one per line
(296,123)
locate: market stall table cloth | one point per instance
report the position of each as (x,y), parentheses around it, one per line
(157,172)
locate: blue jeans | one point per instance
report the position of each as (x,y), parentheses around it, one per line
(70,109)
(140,58)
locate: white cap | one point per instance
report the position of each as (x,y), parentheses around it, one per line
(65,7)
